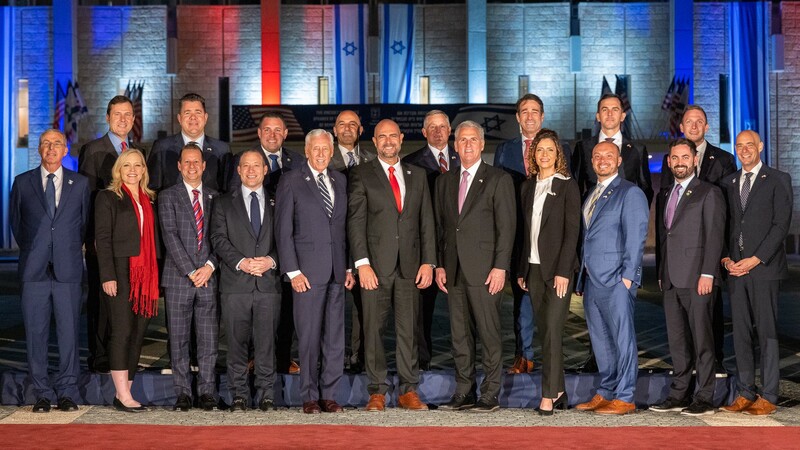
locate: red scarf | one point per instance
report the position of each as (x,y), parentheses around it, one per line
(143,267)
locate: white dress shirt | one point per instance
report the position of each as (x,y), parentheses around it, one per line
(189,190)
(543,189)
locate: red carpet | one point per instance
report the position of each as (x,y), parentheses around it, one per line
(351,437)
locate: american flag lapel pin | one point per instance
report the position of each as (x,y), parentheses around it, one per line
(480,180)
(308,179)
(408,172)
(69,181)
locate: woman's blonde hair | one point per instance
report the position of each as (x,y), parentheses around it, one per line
(561,162)
(116,177)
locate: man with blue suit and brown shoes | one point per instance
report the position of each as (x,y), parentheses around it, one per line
(189,281)
(615,218)
(49,211)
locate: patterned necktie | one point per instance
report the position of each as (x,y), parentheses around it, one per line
(326,196)
(395,190)
(609,140)
(50,195)
(351,160)
(442,163)
(744,194)
(123,146)
(672,206)
(273,164)
(593,203)
(526,153)
(255,214)
(462,190)
(198,217)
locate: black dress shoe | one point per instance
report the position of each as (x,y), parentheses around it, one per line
(42,405)
(486,405)
(459,402)
(698,408)
(207,402)
(66,404)
(669,405)
(119,406)
(183,403)
(589,366)
(266,404)
(238,405)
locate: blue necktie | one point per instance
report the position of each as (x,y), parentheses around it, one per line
(351,161)
(50,195)
(255,213)
(273,164)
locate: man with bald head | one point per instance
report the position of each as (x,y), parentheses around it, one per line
(392,241)
(615,219)
(760,213)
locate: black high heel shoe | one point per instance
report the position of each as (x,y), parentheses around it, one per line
(560,403)
(119,406)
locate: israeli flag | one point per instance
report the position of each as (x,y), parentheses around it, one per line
(397,52)
(350,40)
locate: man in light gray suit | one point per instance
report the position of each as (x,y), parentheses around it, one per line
(690,228)
(392,241)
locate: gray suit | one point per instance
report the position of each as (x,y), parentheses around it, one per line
(470,244)
(396,244)
(689,248)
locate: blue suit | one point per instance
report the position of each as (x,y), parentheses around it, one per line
(51,272)
(311,242)
(613,245)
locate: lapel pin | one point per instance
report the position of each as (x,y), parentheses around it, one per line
(209,196)
(689,192)
(308,179)
(710,156)
(763,176)
(208,149)
(69,181)
(408,172)
(480,180)
(272,202)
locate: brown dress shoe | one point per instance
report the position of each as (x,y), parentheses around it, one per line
(330,406)
(521,365)
(616,407)
(738,405)
(410,400)
(377,402)
(761,407)
(596,402)
(311,408)
(294,368)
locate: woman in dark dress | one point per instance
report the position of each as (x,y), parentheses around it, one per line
(125,239)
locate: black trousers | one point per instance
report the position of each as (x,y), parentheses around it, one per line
(127,328)
(427,298)
(550,313)
(285,334)
(98,329)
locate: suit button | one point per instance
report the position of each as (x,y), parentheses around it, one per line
(397,237)
(53,229)
(458,229)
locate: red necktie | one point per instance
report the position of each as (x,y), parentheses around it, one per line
(395,189)
(123,146)
(442,163)
(198,217)
(526,153)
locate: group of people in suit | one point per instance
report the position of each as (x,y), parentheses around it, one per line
(292,234)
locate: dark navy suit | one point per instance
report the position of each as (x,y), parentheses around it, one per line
(162,163)
(314,244)
(183,300)
(613,245)
(51,272)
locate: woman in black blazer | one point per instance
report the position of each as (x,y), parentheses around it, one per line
(548,261)
(125,239)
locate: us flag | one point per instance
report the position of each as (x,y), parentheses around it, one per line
(245,122)
(61,105)
(135,94)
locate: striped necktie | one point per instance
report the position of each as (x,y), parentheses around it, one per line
(198,217)
(326,196)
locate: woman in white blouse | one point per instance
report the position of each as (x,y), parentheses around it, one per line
(548,261)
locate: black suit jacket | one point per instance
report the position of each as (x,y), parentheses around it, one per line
(558,232)
(635,166)
(162,163)
(289,160)
(693,244)
(233,239)
(117,231)
(425,159)
(376,230)
(481,237)
(95,160)
(763,224)
(716,165)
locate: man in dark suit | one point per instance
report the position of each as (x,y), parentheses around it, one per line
(713,165)
(615,218)
(348,154)
(512,156)
(242,236)
(49,211)
(190,285)
(392,241)
(690,229)
(475,220)
(760,203)
(635,160)
(310,220)
(95,160)
(436,157)
(272,132)
(162,163)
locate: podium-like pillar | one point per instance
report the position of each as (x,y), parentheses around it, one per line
(682,41)
(8,139)
(476,52)
(270,52)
